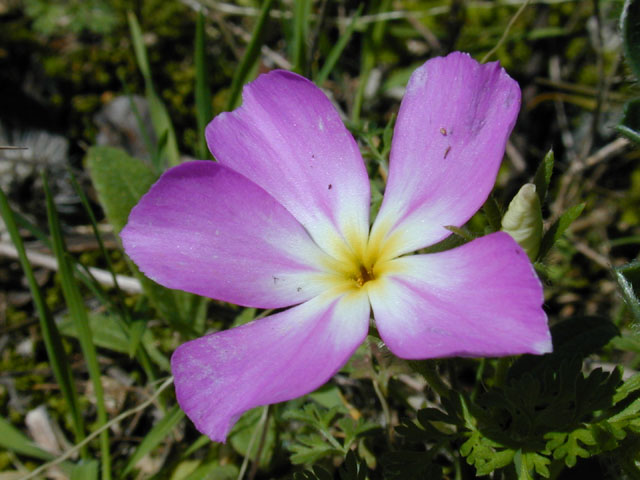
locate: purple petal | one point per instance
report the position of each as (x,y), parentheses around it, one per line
(290,140)
(449,140)
(482,299)
(208,230)
(220,376)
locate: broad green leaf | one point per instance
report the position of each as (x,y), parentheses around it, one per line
(155,436)
(558,228)
(78,313)
(628,277)
(251,55)
(204,109)
(53,342)
(630,27)
(120,181)
(542,178)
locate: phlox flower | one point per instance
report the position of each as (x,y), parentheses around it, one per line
(282,220)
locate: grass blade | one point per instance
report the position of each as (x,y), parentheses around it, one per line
(204,110)
(542,178)
(156,435)
(87,470)
(50,334)
(78,313)
(159,114)
(302,11)
(337,49)
(250,57)
(370,44)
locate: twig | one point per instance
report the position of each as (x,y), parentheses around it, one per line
(128,284)
(506,31)
(264,421)
(97,432)
(245,461)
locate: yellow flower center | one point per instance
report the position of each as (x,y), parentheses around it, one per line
(360,264)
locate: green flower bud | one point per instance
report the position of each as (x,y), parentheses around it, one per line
(523,220)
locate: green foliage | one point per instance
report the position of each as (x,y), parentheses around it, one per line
(155,436)
(542,178)
(557,228)
(329,432)
(352,468)
(549,412)
(50,17)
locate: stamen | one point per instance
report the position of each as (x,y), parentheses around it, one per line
(364,276)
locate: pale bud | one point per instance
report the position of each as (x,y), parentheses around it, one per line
(523,220)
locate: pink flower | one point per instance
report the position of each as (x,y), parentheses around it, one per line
(282,220)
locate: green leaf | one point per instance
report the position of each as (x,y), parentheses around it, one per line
(630,27)
(52,340)
(214,471)
(78,313)
(13,439)
(337,49)
(570,446)
(558,228)
(630,124)
(493,213)
(155,436)
(251,56)
(542,178)
(204,109)
(120,181)
(110,333)
(628,277)
(85,470)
